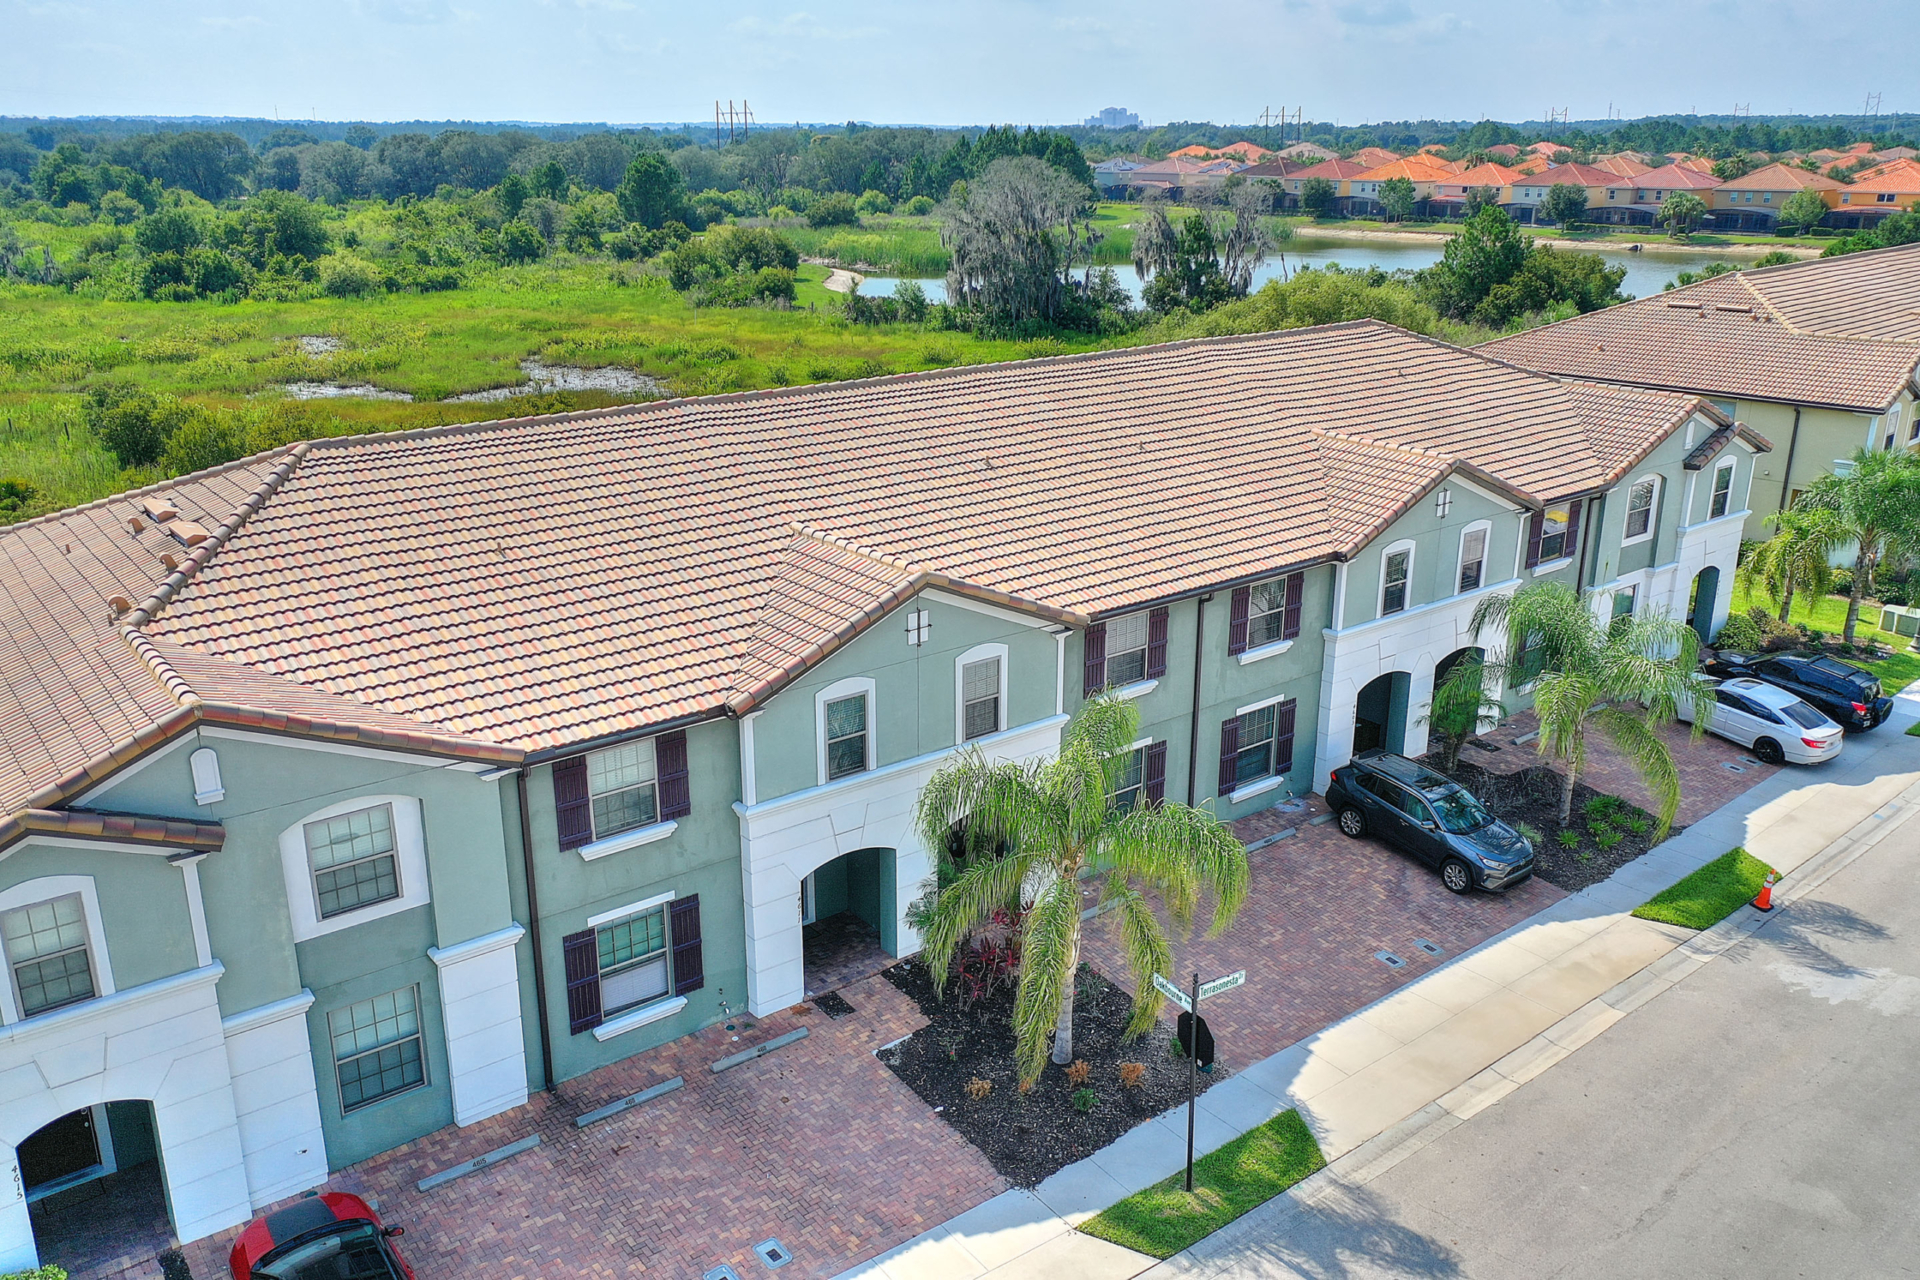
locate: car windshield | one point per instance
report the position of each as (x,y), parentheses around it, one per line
(1458,811)
(354,1252)
(1804,716)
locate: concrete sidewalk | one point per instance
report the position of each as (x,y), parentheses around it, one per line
(1457,1040)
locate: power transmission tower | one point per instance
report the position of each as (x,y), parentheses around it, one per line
(737,122)
(1870,110)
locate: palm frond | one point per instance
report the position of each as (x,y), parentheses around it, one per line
(975,894)
(1049,952)
(1182,851)
(1650,757)
(1144,944)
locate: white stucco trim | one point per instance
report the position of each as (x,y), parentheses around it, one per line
(1551,566)
(36,840)
(196,908)
(276,1098)
(1460,550)
(480,1009)
(410,857)
(639,1017)
(1060,635)
(631,909)
(628,840)
(1138,689)
(991,610)
(833,693)
(1263,704)
(44,889)
(418,760)
(1253,789)
(1380,595)
(1272,650)
(979,653)
(749,781)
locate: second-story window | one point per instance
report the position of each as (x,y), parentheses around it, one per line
(1393,584)
(1267,613)
(980,698)
(1553,535)
(353,862)
(1127,649)
(47,954)
(1473,559)
(1722,491)
(1640,508)
(846,736)
(623,782)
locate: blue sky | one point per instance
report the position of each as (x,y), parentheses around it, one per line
(932,62)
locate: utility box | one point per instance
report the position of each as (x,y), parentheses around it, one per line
(1900,620)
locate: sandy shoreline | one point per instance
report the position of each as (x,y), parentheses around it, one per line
(1652,243)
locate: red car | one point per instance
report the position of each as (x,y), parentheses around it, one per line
(331,1236)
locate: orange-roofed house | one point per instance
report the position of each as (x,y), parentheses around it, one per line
(1699,164)
(1752,202)
(1246,151)
(1636,201)
(1374,157)
(1507,149)
(1424,172)
(1889,189)
(1449,199)
(1338,172)
(1625,164)
(1530,191)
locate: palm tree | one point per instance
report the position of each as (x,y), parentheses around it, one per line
(1798,557)
(1462,706)
(1623,677)
(1055,822)
(1874,504)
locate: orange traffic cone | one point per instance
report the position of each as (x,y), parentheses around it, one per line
(1765,901)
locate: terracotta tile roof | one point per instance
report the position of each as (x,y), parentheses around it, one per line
(1841,332)
(1275,169)
(526,586)
(1507,149)
(1669,178)
(1585,175)
(1486,175)
(1374,157)
(1244,150)
(1781,177)
(1699,164)
(1333,170)
(1624,166)
(121,828)
(1413,168)
(1902,177)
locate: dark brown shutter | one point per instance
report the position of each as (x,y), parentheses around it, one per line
(1157,644)
(1573,527)
(689,966)
(1535,529)
(1229,753)
(1156,772)
(581,952)
(1283,737)
(1237,620)
(670,760)
(1094,652)
(572,806)
(1290,621)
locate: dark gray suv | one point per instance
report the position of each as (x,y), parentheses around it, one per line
(1430,816)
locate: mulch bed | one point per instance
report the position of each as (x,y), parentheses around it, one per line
(1532,796)
(1029,1137)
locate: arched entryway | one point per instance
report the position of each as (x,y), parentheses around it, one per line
(1445,666)
(94,1186)
(1380,713)
(1704,602)
(849,915)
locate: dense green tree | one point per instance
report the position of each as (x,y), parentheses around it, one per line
(275,224)
(521,242)
(1479,198)
(1397,195)
(359,135)
(212,164)
(1727,168)
(1316,197)
(1013,242)
(1797,558)
(836,210)
(168,231)
(512,192)
(1210,260)
(132,424)
(1899,228)
(1565,204)
(550,180)
(1488,251)
(1803,211)
(1874,502)
(653,193)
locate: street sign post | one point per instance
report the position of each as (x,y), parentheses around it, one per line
(1190,1001)
(1172,993)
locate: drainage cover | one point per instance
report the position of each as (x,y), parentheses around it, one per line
(773,1253)
(1432,949)
(1482,744)
(1389,959)
(722,1272)
(1750,760)
(1728,764)
(833,1004)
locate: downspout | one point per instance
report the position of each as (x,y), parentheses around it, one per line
(1193,718)
(1793,443)
(533,933)
(1586,540)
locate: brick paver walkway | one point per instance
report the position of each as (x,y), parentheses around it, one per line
(817,1144)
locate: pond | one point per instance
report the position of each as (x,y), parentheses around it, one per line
(1647,272)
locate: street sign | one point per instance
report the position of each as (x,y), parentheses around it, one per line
(1172,993)
(1218,985)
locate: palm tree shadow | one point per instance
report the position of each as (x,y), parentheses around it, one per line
(1350,1234)
(1802,931)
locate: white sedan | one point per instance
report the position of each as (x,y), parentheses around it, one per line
(1771,722)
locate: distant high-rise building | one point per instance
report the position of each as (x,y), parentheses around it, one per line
(1114,118)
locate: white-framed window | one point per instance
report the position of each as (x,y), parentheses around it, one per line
(1396,573)
(1642,509)
(1722,496)
(634,965)
(623,787)
(1473,555)
(1267,613)
(844,720)
(1127,649)
(48,957)
(354,860)
(1626,600)
(362,859)
(377,1048)
(1553,534)
(1130,784)
(980,683)
(1443,503)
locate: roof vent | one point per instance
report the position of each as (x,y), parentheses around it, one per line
(119,604)
(170,560)
(159,509)
(188,532)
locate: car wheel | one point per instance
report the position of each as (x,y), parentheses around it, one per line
(1768,751)
(1353,822)
(1456,875)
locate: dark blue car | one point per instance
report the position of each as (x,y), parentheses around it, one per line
(1430,816)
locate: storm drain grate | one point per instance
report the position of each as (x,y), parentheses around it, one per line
(1389,959)
(1731,766)
(1483,744)
(773,1253)
(1750,760)
(1431,948)
(833,1004)
(722,1272)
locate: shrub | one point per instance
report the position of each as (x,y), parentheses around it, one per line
(131,424)
(1740,634)
(978,1088)
(1842,583)
(1568,838)
(344,275)
(521,242)
(873,202)
(15,494)
(1603,809)
(1132,1074)
(1084,1100)
(48,1272)
(835,210)
(1078,1072)
(1607,837)
(1530,832)
(1638,826)
(918,207)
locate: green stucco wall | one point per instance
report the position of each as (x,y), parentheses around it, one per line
(143,904)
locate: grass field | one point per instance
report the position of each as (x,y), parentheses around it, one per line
(1829,614)
(1710,894)
(1243,1175)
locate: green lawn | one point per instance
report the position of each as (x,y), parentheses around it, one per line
(1829,614)
(1710,894)
(1243,1175)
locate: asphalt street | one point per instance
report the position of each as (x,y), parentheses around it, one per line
(1761,1119)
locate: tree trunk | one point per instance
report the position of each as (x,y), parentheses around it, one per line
(1063,1029)
(1786,601)
(1566,795)
(1862,566)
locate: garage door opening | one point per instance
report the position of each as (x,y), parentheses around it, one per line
(95,1189)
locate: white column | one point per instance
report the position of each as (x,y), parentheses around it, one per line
(276,1098)
(17,1250)
(480,1004)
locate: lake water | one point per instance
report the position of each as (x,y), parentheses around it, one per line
(1647,271)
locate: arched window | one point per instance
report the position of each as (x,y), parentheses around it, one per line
(358,860)
(980,692)
(1643,510)
(56,951)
